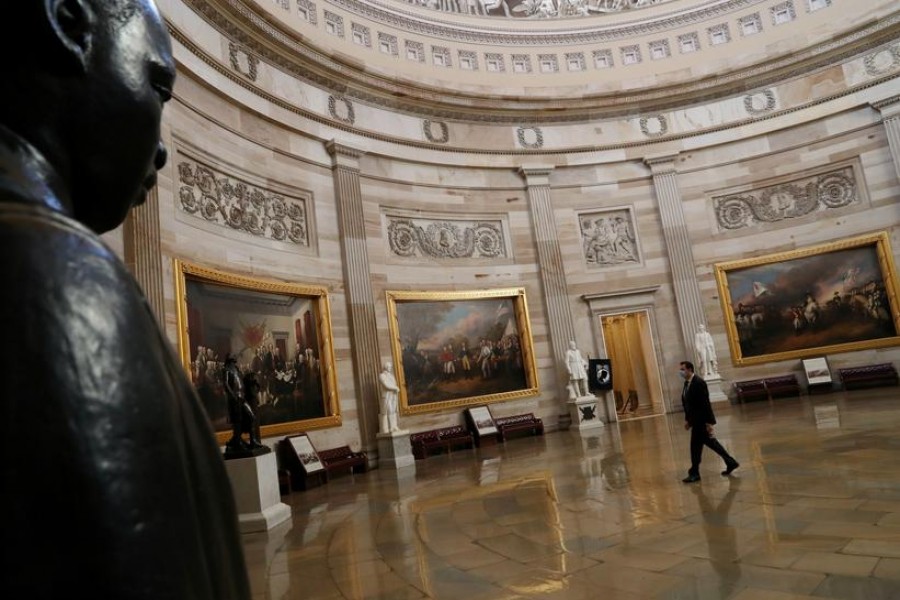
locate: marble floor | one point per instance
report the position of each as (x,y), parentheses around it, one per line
(813,512)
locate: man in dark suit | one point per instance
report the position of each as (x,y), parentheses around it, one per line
(699,418)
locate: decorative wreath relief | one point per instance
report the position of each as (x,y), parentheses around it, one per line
(522,134)
(229,202)
(444,239)
(787,201)
(428,126)
(349,115)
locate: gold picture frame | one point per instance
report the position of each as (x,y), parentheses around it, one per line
(454,349)
(835,297)
(280,331)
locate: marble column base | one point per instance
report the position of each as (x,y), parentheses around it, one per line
(394,450)
(254,482)
(586,413)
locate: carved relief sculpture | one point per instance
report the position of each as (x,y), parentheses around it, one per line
(446,238)
(222,199)
(797,198)
(608,237)
(536,9)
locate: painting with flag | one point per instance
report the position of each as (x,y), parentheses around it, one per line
(835,297)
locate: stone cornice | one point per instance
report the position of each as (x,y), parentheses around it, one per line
(313,116)
(305,63)
(597,32)
(650,289)
(889,107)
(343,155)
(536,175)
(663,164)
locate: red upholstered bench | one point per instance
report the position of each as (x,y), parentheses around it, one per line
(868,376)
(781,387)
(338,460)
(747,391)
(516,423)
(767,388)
(447,438)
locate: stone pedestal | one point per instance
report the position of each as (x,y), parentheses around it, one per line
(266,548)
(254,482)
(586,412)
(394,450)
(716,394)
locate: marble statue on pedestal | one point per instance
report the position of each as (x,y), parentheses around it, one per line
(390,389)
(577,366)
(706,353)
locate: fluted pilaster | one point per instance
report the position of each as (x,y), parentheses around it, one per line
(360,299)
(678,247)
(553,276)
(142,252)
(890,114)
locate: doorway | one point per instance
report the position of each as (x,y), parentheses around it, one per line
(629,345)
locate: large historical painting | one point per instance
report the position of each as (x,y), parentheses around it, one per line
(279,332)
(832,298)
(461,348)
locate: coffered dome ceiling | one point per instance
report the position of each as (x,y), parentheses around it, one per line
(572,60)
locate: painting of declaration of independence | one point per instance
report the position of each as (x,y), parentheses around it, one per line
(461,348)
(279,334)
(832,298)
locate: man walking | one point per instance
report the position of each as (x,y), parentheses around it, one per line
(699,419)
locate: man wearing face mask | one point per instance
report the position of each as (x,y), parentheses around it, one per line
(699,419)
(112,484)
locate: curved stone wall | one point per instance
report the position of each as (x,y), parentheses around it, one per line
(687,180)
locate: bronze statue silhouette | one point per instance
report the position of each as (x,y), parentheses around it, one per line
(241,391)
(112,478)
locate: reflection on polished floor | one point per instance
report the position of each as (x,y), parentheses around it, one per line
(814,511)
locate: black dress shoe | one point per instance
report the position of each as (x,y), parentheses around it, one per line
(730,468)
(691,479)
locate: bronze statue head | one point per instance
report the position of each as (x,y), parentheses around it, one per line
(88,92)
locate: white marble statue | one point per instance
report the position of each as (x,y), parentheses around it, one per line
(390,389)
(706,353)
(577,368)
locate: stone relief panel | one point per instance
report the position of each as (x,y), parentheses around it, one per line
(789,200)
(535,9)
(215,197)
(609,237)
(446,238)
(883,61)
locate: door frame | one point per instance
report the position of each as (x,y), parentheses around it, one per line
(610,304)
